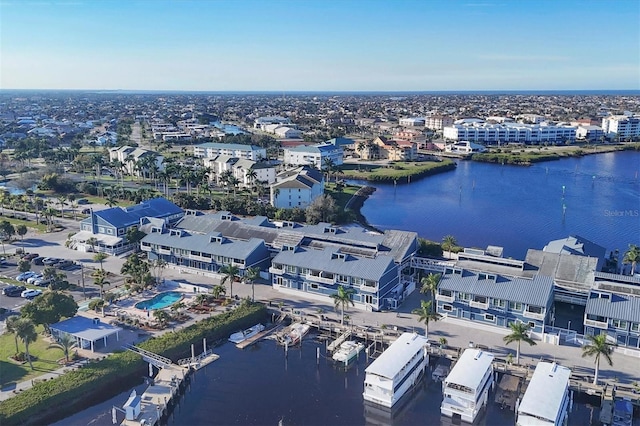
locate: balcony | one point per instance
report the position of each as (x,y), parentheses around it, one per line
(597,324)
(320,279)
(443,298)
(479,305)
(533,315)
(164,251)
(276,271)
(369,288)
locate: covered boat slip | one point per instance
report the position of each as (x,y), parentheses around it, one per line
(546,400)
(86,331)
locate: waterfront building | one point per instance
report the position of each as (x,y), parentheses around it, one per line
(547,398)
(466,388)
(613,308)
(464,147)
(341,142)
(621,126)
(396,370)
(590,133)
(109,227)
(296,188)
(382,148)
(242,169)
(314,155)
(213,149)
(262,122)
(437,122)
(136,161)
(495,300)
(480,131)
(286,132)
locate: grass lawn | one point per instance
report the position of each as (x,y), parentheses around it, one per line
(45,359)
(341,197)
(397,170)
(29,224)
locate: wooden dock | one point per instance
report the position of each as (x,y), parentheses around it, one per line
(336,343)
(264,333)
(606,406)
(508,391)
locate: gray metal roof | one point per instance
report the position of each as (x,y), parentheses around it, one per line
(564,268)
(620,307)
(85,328)
(201,243)
(396,356)
(535,291)
(324,260)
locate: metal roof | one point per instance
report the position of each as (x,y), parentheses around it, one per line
(546,391)
(234,146)
(536,291)
(85,328)
(470,368)
(325,260)
(397,355)
(617,306)
(202,243)
(127,216)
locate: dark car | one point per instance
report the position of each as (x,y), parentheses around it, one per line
(64,264)
(82,201)
(86,211)
(38,260)
(30,256)
(13,290)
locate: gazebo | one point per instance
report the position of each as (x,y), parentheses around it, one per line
(85,330)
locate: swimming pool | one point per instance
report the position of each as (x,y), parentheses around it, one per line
(159,301)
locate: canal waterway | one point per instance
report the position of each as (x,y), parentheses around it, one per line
(516,207)
(261,386)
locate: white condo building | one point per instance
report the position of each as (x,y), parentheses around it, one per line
(297,188)
(314,155)
(621,126)
(480,131)
(212,149)
(437,122)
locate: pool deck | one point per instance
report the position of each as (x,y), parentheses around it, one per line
(177,291)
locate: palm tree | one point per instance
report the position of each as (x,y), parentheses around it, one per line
(66,342)
(519,333)
(100,257)
(100,279)
(426,314)
(342,299)
(26,330)
(93,242)
(11,325)
(231,274)
(448,243)
(250,276)
(597,347)
(430,284)
(217,291)
(22,231)
(632,256)
(61,200)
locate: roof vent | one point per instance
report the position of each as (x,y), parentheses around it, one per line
(478,355)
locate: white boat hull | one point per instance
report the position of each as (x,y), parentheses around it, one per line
(347,351)
(241,336)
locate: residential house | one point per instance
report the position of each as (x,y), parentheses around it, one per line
(297,188)
(495,300)
(109,227)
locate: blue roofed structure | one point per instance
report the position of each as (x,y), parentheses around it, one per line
(109,227)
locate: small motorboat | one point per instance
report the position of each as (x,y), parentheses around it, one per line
(294,333)
(241,336)
(347,351)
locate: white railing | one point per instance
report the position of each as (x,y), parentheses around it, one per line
(164,251)
(444,298)
(370,289)
(480,305)
(320,279)
(533,315)
(276,271)
(597,324)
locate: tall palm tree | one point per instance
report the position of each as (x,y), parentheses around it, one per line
(100,257)
(250,276)
(216,291)
(61,200)
(11,325)
(448,243)
(632,256)
(93,242)
(26,330)
(426,314)
(597,347)
(342,299)
(430,284)
(519,333)
(231,274)
(66,342)
(100,279)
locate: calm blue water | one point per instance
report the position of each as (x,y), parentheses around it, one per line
(159,301)
(519,207)
(259,386)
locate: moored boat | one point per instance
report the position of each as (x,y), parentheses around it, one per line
(293,334)
(347,351)
(241,336)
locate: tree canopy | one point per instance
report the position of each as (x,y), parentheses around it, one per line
(49,308)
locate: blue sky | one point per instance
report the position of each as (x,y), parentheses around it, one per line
(328,45)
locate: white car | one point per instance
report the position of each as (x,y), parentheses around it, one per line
(30,294)
(34,278)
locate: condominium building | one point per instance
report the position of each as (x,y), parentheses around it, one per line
(437,122)
(297,188)
(621,126)
(412,122)
(213,149)
(491,133)
(246,171)
(137,161)
(314,155)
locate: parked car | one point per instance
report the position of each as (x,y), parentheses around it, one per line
(30,294)
(50,261)
(30,256)
(86,211)
(13,290)
(42,282)
(32,279)
(64,264)
(82,201)
(38,260)
(23,276)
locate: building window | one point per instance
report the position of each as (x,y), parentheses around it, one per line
(532,324)
(515,306)
(447,308)
(446,293)
(635,326)
(101,229)
(500,303)
(313,286)
(489,317)
(464,296)
(622,325)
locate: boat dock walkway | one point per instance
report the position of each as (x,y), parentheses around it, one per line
(508,391)
(264,333)
(336,343)
(606,407)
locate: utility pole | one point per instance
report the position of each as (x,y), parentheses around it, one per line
(84,289)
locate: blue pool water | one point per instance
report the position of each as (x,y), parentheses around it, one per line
(159,301)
